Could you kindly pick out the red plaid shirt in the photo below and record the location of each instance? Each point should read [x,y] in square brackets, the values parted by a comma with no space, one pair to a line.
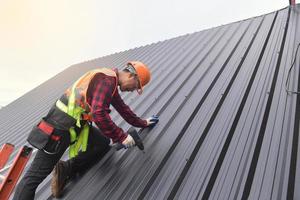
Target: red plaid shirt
[99,96]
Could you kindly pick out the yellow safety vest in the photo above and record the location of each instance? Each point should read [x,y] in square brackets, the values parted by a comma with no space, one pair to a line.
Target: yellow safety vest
[79,108]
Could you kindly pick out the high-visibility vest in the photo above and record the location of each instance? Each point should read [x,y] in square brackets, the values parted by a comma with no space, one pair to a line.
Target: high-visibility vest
[79,108]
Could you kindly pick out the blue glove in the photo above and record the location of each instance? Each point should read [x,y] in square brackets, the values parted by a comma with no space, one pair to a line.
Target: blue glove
[152,121]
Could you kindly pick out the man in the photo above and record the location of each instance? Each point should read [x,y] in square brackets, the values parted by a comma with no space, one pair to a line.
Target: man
[68,123]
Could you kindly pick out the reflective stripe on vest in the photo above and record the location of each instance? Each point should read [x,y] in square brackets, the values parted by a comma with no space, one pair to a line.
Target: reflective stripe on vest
[83,136]
[77,107]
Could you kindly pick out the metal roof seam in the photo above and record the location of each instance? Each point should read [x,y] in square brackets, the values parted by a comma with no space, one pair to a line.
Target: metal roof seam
[194,113]
[237,117]
[207,128]
[293,161]
[251,172]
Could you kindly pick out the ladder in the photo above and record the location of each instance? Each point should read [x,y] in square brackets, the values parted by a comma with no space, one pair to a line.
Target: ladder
[10,180]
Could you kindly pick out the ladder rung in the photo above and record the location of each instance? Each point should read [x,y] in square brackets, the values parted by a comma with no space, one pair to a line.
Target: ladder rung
[15,172]
[5,153]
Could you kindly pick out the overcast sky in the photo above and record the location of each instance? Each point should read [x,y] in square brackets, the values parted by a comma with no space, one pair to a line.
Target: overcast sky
[40,38]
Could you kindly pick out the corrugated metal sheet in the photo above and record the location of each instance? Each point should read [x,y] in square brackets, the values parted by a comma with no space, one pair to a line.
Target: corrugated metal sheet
[228,129]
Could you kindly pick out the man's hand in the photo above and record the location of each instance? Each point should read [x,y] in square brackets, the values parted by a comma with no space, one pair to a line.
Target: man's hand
[128,142]
[151,121]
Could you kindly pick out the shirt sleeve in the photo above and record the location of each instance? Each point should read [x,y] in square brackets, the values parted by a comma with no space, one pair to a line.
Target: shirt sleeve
[125,111]
[101,99]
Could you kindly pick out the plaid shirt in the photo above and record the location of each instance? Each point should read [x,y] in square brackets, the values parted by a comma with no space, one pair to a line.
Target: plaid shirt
[99,96]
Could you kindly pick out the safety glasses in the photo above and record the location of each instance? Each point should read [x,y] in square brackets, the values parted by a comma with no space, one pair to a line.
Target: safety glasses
[132,70]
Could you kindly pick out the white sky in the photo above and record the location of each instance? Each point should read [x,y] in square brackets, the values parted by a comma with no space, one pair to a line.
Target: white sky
[40,38]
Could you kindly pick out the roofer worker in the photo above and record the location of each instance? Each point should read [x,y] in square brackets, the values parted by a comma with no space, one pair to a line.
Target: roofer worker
[69,123]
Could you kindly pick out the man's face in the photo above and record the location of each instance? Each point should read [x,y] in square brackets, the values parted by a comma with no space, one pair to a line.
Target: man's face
[130,83]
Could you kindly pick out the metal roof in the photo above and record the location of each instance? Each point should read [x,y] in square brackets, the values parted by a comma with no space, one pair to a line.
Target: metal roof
[228,129]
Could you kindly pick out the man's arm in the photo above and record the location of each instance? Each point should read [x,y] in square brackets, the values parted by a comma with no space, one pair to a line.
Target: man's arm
[101,99]
[126,112]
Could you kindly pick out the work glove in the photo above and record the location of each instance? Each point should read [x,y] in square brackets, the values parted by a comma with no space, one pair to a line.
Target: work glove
[128,142]
[111,142]
[151,121]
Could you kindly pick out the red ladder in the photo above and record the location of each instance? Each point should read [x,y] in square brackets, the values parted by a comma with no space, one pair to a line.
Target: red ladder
[10,180]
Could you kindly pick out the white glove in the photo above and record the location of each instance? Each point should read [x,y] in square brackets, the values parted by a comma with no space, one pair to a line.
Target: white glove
[111,143]
[128,142]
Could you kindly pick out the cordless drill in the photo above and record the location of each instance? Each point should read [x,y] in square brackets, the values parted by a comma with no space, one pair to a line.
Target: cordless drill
[138,141]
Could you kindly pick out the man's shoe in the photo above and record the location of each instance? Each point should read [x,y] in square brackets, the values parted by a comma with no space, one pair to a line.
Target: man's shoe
[60,178]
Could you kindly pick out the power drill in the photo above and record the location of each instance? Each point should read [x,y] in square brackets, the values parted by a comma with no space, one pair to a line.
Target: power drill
[138,141]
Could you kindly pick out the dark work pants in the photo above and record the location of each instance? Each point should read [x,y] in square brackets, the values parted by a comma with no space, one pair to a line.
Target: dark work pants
[44,163]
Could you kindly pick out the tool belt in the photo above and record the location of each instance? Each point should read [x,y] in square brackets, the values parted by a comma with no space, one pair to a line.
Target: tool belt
[42,135]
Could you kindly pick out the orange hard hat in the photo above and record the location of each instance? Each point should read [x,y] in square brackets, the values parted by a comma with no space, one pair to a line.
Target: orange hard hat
[142,72]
